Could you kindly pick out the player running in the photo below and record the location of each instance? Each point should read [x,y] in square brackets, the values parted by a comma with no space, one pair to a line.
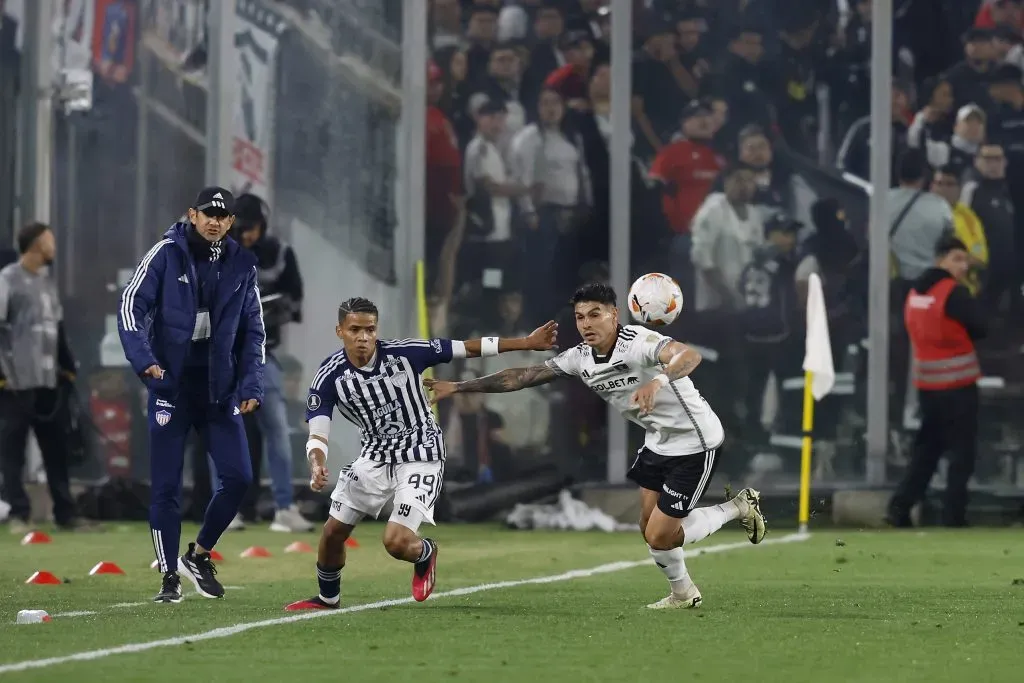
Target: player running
[377,385]
[644,375]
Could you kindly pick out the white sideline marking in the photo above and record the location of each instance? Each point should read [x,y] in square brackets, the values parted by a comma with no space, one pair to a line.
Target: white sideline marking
[122,605]
[227,631]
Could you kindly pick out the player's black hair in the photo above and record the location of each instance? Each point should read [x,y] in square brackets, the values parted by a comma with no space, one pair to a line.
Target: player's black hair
[947,244]
[29,234]
[356,304]
[596,292]
[911,166]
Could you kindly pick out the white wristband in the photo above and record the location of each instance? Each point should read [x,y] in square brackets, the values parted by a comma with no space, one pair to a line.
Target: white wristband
[315,444]
[662,379]
[488,347]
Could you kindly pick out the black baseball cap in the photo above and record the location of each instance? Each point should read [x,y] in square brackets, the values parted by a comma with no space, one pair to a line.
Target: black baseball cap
[215,202]
[695,108]
[782,222]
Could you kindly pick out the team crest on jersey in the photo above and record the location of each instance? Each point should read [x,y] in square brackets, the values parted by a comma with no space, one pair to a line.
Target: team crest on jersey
[162,417]
[313,402]
[399,378]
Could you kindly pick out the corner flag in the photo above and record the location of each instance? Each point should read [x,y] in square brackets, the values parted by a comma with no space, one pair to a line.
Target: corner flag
[819,378]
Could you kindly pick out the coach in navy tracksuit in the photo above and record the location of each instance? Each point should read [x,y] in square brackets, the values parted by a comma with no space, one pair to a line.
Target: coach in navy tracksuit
[192,328]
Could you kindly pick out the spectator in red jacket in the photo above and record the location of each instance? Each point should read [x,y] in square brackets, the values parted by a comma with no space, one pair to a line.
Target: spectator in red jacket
[444,167]
[571,80]
[686,170]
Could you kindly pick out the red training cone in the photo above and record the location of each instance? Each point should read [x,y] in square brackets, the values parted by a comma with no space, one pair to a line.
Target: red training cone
[44,579]
[34,537]
[351,542]
[299,547]
[105,568]
[256,551]
[215,556]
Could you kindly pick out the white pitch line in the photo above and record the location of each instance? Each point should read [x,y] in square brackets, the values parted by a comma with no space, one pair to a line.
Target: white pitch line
[123,605]
[228,631]
[82,613]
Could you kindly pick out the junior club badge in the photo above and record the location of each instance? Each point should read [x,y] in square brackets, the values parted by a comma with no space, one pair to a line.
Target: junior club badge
[399,378]
[163,417]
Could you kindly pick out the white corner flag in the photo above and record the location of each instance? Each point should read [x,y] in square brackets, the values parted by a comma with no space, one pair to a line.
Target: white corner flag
[818,350]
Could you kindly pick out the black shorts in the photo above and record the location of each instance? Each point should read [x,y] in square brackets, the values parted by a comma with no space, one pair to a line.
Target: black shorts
[680,479]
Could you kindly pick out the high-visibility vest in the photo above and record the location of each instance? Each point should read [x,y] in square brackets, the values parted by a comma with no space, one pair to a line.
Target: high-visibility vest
[944,355]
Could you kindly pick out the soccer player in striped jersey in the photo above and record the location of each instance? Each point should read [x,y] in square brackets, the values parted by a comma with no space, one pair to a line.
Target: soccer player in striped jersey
[644,375]
[376,385]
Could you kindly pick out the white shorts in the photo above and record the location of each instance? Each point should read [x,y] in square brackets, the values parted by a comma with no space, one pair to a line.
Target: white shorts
[364,488]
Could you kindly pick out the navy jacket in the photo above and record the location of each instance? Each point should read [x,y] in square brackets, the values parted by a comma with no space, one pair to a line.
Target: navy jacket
[158,314]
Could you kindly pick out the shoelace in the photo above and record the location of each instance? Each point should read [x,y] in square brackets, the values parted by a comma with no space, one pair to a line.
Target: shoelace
[206,565]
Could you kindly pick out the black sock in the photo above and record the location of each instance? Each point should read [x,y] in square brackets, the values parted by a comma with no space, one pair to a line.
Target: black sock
[428,550]
[329,579]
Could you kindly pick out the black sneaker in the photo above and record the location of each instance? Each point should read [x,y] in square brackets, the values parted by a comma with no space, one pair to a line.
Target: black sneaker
[198,568]
[170,590]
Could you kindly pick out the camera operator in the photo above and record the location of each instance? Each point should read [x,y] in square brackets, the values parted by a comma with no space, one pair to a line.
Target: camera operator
[36,366]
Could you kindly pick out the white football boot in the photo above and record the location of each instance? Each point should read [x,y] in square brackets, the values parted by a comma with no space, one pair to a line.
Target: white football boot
[749,502]
[691,600]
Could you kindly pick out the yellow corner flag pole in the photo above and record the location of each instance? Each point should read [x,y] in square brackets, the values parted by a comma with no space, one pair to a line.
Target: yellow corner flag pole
[422,314]
[819,378]
[805,453]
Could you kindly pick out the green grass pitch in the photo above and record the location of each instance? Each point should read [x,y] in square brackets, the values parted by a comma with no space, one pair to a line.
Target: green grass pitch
[875,606]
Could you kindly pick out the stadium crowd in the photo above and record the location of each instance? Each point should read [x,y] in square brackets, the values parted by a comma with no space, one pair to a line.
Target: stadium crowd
[729,99]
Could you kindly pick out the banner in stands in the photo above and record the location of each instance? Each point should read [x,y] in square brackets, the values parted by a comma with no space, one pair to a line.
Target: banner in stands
[255,50]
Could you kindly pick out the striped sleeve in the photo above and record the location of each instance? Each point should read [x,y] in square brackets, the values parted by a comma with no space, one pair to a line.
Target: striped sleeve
[322,397]
[137,301]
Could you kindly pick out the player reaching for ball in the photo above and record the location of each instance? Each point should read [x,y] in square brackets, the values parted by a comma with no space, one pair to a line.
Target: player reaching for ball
[644,374]
[377,386]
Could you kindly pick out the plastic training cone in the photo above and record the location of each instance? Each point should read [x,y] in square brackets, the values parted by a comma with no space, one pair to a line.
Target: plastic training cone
[256,551]
[44,579]
[34,537]
[105,568]
[351,542]
[299,547]
[215,556]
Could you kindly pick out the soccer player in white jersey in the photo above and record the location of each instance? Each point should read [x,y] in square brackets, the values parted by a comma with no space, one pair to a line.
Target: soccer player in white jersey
[377,385]
[644,375]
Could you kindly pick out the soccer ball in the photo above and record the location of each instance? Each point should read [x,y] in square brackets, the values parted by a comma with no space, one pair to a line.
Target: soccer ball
[655,299]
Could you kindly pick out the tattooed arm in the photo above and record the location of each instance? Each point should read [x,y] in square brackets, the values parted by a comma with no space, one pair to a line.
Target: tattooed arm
[679,360]
[512,379]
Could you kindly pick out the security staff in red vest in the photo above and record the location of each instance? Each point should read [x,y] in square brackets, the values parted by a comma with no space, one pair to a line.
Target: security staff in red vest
[943,321]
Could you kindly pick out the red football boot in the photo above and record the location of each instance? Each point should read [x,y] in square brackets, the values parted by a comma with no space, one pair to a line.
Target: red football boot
[423,574]
[310,603]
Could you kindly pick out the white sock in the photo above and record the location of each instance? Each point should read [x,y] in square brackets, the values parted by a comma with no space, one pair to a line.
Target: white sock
[702,522]
[673,565]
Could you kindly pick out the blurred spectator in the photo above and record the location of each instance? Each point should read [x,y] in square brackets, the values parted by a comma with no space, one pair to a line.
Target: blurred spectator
[773,180]
[770,322]
[446,24]
[515,18]
[658,96]
[966,225]
[855,154]
[545,57]
[802,51]
[482,33]
[740,79]
[933,125]
[970,77]
[444,167]
[686,171]
[1006,128]
[489,188]
[691,28]
[454,95]
[918,220]
[968,134]
[474,436]
[726,231]
[988,195]
[548,159]
[501,84]
[995,13]
[571,80]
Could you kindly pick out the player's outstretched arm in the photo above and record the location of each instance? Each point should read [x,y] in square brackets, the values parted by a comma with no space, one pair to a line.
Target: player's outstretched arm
[316,452]
[678,361]
[501,382]
[541,339]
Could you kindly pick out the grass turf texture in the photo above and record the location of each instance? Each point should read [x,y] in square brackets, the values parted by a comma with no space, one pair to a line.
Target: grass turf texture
[880,606]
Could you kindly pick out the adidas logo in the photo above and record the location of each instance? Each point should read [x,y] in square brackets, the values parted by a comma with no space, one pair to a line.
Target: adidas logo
[679,506]
[218,196]
[183,278]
